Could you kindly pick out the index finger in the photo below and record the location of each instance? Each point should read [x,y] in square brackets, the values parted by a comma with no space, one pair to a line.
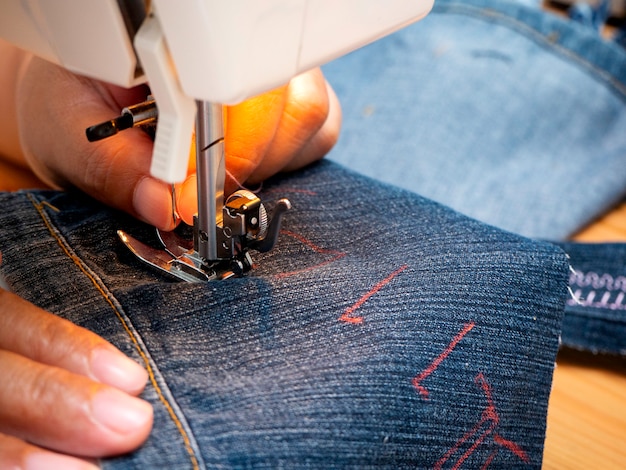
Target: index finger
[56,107]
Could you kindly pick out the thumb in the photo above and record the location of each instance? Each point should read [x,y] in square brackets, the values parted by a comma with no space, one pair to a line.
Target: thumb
[54,109]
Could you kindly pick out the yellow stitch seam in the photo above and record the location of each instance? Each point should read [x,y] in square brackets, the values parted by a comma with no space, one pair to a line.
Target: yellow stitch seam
[46,204]
[78,262]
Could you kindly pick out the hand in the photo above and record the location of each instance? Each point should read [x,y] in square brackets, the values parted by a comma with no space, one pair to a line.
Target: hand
[279,131]
[66,395]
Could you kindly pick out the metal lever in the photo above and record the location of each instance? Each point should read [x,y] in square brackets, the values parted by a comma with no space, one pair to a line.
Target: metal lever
[271,237]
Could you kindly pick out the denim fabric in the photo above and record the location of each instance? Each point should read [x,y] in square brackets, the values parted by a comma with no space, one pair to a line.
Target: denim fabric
[595,318]
[384,331]
[502,111]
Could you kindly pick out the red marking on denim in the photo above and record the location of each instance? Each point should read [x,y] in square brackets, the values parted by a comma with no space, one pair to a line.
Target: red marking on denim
[347,315]
[512,446]
[439,359]
[305,241]
[480,379]
[484,428]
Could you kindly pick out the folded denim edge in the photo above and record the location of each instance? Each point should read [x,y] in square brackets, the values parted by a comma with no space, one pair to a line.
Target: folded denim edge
[595,312]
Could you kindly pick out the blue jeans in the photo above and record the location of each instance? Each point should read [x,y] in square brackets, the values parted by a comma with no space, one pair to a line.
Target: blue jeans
[502,111]
[384,331]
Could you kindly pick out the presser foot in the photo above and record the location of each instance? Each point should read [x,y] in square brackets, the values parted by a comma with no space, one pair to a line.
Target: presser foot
[245,227]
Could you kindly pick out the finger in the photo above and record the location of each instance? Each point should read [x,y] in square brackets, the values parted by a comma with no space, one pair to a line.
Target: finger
[250,129]
[56,107]
[187,202]
[306,110]
[56,409]
[17,454]
[323,140]
[43,337]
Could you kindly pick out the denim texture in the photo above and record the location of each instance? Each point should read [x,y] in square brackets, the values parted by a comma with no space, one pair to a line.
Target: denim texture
[502,111]
[595,314]
[384,331]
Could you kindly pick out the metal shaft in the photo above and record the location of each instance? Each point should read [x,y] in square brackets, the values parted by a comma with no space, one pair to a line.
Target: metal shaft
[211,173]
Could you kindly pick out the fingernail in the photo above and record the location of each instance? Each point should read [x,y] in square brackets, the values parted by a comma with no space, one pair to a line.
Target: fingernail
[121,413]
[114,368]
[50,461]
[152,201]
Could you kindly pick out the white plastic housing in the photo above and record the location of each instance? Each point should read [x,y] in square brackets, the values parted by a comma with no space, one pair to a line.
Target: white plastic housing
[221,51]
[227,51]
[88,37]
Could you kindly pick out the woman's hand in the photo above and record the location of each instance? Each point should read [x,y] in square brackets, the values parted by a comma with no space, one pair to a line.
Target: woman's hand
[281,130]
[66,395]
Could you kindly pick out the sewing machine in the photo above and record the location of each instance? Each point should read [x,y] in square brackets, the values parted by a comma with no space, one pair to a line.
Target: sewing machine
[198,55]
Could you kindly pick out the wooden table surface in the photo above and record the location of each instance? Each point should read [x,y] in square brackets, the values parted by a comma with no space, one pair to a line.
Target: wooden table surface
[587,411]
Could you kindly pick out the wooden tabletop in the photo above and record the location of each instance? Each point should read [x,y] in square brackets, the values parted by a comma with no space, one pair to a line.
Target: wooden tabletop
[587,411]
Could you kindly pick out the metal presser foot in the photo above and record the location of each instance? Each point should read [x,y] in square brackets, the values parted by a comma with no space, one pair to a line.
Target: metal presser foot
[245,228]
[218,245]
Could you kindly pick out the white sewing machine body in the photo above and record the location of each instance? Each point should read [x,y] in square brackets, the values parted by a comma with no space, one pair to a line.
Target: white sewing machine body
[215,50]
[223,51]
